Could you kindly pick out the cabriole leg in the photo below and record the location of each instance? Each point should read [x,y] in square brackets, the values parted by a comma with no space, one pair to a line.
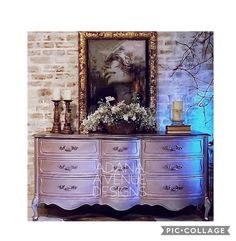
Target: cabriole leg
[35,208]
[207,207]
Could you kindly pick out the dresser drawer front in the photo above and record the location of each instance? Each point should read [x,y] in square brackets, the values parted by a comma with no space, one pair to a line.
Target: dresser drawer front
[173,167]
[120,148]
[120,186]
[121,166]
[172,147]
[69,147]
[68,167]
[154,187]
[82,187]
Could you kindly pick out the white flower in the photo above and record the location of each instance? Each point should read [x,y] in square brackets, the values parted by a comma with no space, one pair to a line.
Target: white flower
[115,109]
[125,117]
[144,118]
[109,98]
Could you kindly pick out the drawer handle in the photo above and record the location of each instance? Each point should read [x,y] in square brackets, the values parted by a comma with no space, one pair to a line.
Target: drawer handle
[173,168]
[68,149]
[120,168]
[173,188]
[120,189]
[67,188]
[67,168]
[172,148]
[120,149]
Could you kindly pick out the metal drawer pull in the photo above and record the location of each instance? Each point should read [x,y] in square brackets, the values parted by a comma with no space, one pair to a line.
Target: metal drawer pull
[173,168]
[172,148]
[67,188]
[68,149]
[67,168]
[120,149]
[120,189]
[173,188]
[120,168]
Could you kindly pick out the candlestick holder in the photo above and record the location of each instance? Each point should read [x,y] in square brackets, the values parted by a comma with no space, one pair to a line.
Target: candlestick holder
[177,113]
[56,128]
[177,109]
[67,126]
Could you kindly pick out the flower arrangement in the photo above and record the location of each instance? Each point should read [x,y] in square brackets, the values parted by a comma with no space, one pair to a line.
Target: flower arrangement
[144,119]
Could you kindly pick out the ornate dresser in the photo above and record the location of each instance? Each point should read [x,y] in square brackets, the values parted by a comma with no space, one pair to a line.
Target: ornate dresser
[121,170]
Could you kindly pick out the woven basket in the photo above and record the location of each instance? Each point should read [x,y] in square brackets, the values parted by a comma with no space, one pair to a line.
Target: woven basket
[120,128]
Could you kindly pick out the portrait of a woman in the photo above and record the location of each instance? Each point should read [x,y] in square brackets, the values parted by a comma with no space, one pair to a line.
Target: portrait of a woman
[122,73]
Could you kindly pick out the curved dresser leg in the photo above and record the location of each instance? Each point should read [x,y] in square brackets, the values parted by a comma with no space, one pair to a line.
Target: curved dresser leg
[35,208]
[207,207]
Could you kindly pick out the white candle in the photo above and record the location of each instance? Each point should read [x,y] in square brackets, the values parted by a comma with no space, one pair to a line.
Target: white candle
[67,94]
[178,105]
[177,110]
[56,94]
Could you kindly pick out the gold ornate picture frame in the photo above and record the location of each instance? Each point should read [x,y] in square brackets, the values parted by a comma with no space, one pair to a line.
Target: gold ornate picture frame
[90,43]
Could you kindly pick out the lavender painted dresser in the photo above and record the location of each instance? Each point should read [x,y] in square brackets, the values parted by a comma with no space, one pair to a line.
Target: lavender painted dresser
[121,170]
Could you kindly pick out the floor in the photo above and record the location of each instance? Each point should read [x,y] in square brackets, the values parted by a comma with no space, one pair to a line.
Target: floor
[106,213]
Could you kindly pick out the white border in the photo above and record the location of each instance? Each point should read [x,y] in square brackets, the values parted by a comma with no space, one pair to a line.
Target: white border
[21,16]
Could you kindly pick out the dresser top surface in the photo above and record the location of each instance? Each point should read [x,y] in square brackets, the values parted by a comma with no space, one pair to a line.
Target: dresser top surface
[109,136]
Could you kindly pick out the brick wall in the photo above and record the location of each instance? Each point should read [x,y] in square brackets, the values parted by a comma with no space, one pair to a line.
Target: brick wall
[53,62]
[194,84]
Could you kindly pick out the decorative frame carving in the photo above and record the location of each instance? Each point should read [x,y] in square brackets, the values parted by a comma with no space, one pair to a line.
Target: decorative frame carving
[151,39]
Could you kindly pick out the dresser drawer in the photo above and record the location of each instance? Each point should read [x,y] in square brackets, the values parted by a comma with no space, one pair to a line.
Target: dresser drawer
[68,167]
[156,187]
[182,167]
[69,147]
[82,187]
[120,148]
[120,186]
[172,147]
[120,166]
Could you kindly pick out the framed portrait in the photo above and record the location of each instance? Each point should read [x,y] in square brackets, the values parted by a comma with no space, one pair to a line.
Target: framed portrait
[118,64]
